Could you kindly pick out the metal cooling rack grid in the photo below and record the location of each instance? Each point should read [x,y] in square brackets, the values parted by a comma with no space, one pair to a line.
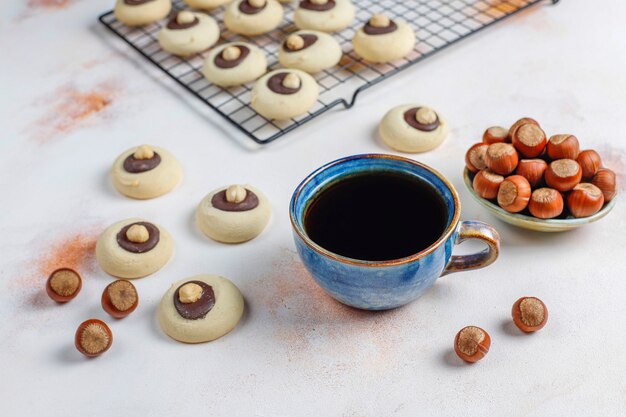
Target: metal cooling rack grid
[437,24]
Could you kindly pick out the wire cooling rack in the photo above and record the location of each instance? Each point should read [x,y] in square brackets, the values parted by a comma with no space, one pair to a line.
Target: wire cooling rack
[437,24]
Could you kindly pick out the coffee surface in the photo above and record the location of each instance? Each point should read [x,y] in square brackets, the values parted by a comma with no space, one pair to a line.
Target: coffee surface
[376,216]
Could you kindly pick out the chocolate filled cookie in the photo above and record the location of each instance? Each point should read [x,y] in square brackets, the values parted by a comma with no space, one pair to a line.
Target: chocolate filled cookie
[284,93]
[133,248]
[233,64]
[310,51]
[383,40]
[324,15]
[200,309]
[412,128]
[253,17]
[233,214]
[187,33]
[145,172]
[141,12]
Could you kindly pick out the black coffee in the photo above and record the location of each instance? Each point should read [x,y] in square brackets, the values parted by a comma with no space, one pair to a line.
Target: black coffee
[376,216]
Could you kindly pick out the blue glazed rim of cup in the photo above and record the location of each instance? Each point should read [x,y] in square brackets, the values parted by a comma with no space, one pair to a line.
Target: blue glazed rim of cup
[299,228]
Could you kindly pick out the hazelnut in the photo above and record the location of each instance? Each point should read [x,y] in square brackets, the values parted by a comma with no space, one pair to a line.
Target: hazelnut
[529,314]
[144,152]
[472,343]
[185,17]
[501,158]
[563,174]
[63,285]
[379,21]
[533,170]
[495,134]
[257,3]
[520,122]
[120,298]
[486,184]
[295,42]
[137,233]
[529,140]
[514,194]
[189,293]
[545,203]
[93,338]
[291,80]
[605,181]
[231,53]
[475,157]
[563,147]
[585,200]
[320,2]
[236,194]
[425,116]
[590,162]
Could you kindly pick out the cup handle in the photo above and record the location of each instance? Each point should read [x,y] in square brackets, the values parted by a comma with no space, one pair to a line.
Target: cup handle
[475,230]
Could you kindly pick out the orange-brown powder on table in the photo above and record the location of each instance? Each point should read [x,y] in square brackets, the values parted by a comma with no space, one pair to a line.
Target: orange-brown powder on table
[49,3]
[74,250]
[306,316]
[69,108]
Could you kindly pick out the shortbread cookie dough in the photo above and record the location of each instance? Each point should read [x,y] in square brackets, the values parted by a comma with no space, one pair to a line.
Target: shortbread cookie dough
[233,64]
[310,51]
[187,33]
[145,172]
[411,128]
[382,40]
[200,309]
[324,15]
[253,17]
[205,4]
[141,12]
[233,214]
[284,93]
[133,248]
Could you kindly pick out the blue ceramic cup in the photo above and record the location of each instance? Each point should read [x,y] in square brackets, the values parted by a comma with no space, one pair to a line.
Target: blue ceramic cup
[382,285]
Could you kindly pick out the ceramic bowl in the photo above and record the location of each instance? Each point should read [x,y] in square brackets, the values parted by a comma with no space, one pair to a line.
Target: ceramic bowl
[533,223]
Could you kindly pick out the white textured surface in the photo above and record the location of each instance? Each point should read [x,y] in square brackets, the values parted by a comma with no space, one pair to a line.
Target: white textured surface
[297,352]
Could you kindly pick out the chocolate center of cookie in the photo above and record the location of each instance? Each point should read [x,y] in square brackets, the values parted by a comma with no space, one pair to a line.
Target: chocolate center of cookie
[308,5]
[136,166]
[139,247]
[409,117]
[199,308]
[222,62]
[246,8]
[220,202]
[308,41]
[376,30]
[175,24]
[275,83]
[136,2]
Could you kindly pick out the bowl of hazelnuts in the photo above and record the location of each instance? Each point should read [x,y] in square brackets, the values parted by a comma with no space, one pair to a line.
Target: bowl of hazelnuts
[531,181]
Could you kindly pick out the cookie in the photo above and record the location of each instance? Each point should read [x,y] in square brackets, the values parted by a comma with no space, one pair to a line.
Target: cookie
[284,93]
[145,172]
[133,248]
[233,214]
[187,33]
[233,64]
[324,15]
[309,51]
[253,17]
[141,12]
[383,40]
[200,309]
[205,4]
[411,128]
